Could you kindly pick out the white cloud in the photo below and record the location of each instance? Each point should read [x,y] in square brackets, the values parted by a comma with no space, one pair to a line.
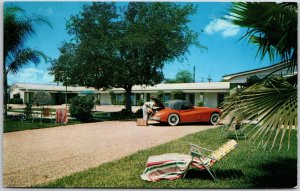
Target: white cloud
[31,75]
[49,11]
[224,27]
[45,11]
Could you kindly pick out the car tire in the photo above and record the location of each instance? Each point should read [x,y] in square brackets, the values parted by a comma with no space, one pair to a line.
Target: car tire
[214,119]
[173,119]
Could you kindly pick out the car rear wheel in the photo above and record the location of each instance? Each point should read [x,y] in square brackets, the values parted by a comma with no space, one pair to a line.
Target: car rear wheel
[173,119]
[214,119]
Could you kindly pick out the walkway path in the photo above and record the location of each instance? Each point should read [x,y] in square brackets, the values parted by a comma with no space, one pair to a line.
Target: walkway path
[37,156]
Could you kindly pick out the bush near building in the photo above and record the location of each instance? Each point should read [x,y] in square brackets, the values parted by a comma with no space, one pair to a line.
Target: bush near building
[178,94]
[15,101]
[81,108]
[200,104]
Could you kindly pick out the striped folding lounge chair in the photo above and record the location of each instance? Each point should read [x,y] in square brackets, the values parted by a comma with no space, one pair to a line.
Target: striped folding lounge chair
[174,165]
[167,166]
[203,158]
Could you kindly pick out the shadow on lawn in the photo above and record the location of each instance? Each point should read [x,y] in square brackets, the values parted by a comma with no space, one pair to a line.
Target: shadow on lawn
[281,173]
[181,124]
[220,173]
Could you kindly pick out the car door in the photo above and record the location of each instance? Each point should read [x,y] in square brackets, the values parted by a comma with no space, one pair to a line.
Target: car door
[203,114]
[188,113]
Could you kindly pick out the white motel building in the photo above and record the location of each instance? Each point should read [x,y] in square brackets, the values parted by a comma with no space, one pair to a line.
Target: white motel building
[210,94]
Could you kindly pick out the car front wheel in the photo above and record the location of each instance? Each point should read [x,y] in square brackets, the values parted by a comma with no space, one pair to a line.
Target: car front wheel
[214,119]
[173,119]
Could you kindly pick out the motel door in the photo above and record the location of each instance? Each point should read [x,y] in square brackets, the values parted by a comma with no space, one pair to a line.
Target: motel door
[221,97]
[191,98]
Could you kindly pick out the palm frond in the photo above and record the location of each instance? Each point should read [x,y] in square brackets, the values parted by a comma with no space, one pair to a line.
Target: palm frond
[272,26]
[267,109]
[23,57]
[18,28]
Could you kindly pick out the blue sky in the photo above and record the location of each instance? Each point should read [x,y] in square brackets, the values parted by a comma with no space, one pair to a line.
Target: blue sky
[225,53]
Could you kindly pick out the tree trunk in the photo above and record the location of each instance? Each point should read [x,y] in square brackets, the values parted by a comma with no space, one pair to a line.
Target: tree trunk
[128,99]
[5,97]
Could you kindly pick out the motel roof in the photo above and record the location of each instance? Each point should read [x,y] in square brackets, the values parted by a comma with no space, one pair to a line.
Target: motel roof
[46,87]
[254,71]
[189,87]
[185,86]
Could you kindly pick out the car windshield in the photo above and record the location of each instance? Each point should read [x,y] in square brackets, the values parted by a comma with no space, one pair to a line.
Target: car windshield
[174,104]
[166,104]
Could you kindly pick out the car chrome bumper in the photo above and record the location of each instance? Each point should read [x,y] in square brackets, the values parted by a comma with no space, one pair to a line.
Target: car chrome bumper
[155,118]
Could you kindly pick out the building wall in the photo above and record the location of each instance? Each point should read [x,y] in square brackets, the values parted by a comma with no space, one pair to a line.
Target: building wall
[105,99]
[210,99]
[147,96]
[133,99]
[26,98]
[15,91]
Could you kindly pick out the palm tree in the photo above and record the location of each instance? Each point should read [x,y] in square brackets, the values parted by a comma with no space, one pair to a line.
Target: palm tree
[17,30]
[272,103]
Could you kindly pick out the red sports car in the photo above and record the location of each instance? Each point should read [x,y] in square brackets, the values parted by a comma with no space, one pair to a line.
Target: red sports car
[181,111]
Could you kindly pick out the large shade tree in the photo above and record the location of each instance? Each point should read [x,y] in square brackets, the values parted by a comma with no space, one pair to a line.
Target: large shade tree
[17,29]
[272,103]
[183,76]
[120,47]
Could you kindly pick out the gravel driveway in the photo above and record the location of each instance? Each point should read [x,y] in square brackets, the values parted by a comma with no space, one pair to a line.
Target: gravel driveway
[37,156]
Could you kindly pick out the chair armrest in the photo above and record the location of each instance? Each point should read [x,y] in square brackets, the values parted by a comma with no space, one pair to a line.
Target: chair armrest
[199,155]
[197,151]
[193,146]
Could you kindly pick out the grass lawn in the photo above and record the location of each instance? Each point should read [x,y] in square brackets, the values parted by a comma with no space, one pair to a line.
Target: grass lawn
[21,110]
[245,167]
[11,126]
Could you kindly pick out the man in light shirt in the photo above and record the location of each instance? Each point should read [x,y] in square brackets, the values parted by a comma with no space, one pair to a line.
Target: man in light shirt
[147,109]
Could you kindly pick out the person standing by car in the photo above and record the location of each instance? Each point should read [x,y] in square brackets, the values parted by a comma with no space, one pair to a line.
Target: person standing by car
[147,109]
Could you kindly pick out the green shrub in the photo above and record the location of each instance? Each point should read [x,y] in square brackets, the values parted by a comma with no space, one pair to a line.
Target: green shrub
[81,108]
[28,111]
[140,102]
[139,113]
[126,113]
[200,104]
[16,101]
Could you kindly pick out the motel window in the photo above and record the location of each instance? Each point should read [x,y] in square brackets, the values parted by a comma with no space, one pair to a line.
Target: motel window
[148,96]
[119,97]
[132,97]
[166,97]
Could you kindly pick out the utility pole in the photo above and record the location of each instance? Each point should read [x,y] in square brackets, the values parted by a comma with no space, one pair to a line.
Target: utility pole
[209,78]
[66,96]
[66,93]
[194,74]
